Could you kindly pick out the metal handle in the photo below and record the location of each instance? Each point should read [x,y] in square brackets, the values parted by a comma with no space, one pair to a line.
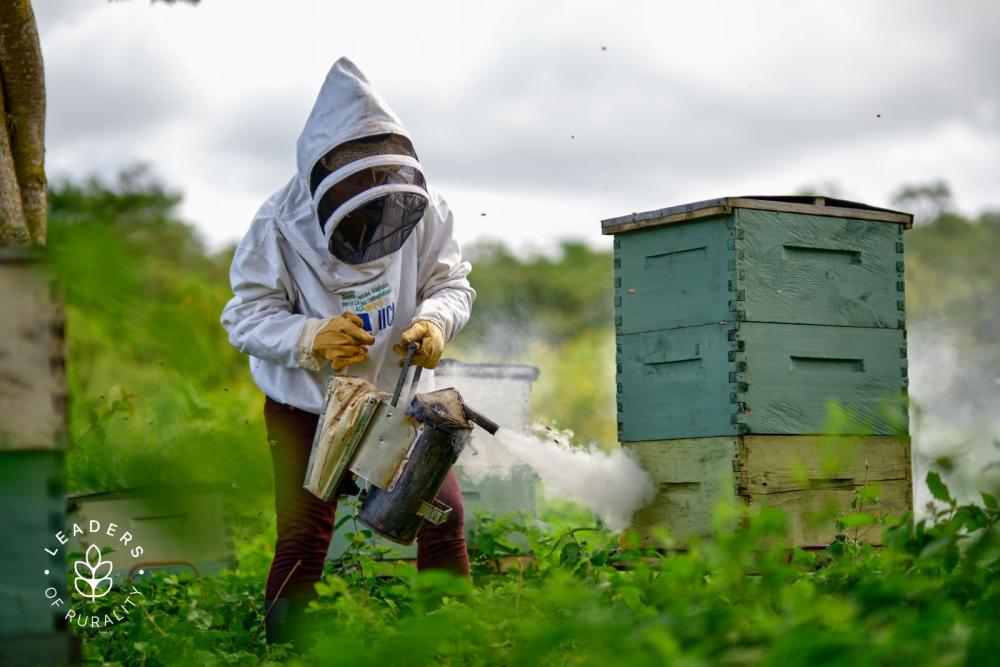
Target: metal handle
[435,512]
[410,349]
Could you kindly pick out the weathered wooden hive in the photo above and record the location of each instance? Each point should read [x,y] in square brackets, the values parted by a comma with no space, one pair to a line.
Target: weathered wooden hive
[739,322]
[32,453]
[182,527]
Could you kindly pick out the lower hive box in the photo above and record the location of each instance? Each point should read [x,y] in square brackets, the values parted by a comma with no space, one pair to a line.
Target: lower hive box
[811,478]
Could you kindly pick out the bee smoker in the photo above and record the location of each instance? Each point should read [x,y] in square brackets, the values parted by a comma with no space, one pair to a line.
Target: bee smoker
[403,453]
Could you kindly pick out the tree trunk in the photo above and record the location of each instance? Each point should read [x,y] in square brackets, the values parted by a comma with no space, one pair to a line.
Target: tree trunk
[23,91]
[13,230]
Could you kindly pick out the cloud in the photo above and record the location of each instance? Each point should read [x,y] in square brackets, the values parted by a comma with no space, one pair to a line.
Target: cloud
[252,138]
[563,116]
[52,15]
[110,100]
[547,117]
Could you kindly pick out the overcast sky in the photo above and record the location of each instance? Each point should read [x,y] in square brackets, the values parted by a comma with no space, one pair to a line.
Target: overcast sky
[547,117]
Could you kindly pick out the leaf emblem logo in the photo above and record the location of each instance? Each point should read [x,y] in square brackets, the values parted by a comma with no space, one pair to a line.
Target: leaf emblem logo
[93,574]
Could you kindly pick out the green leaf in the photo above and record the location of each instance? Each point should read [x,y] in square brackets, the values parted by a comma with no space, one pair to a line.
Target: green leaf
[570,554]
[938,488]
[600,557]
[857,519]
[972,517]
[989,500]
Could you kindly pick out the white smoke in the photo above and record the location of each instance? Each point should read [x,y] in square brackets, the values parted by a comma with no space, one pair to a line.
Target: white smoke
[955,411]
[612,485]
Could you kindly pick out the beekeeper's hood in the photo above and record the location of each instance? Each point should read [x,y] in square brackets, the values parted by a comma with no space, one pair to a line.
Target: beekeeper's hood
[364,192]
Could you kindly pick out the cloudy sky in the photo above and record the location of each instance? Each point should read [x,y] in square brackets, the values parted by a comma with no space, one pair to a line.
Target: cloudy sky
[545,117]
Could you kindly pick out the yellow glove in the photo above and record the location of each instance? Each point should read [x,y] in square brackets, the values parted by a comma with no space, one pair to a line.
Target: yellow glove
[343,341]
[431,340]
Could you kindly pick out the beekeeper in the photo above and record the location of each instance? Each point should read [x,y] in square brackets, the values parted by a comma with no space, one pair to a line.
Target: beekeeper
[349,262]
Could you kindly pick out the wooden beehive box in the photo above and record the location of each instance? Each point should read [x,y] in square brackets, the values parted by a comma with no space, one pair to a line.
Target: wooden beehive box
[739,322]
[32,444]
[32,363]
[749,315]
[733,378]
[181,527]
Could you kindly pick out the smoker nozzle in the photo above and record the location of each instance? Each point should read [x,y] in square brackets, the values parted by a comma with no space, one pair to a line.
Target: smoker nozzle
[475,417]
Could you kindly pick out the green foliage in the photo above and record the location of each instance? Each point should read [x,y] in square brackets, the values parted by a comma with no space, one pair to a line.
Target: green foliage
[158,393]
[587,597]
[537,296]
[952,272]
[926,201]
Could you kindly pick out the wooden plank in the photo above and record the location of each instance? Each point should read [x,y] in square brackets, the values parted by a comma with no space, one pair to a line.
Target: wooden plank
[675,384]
[32,367]
[671,277]
[689,475]
[898,218]
[790,373]
[802,269]
[813,479]
[653,219]
[790,473]
[830,208]
[812,513]
[768,464]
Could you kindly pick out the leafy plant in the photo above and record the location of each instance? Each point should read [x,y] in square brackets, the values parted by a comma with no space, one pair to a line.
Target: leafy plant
[143,296]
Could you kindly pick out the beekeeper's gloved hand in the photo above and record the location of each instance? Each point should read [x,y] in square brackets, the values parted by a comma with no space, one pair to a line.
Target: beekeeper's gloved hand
[430,338]
[342,340]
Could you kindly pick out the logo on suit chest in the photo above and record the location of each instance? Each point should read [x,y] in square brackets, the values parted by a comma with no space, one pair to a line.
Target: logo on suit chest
[376,306]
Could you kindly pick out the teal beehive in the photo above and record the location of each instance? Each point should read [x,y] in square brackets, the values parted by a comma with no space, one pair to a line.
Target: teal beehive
[750,315]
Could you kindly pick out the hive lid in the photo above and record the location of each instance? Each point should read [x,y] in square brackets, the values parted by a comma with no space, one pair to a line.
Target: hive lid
[808,205]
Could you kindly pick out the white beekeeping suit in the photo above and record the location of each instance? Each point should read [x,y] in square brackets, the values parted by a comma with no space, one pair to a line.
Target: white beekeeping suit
[296,267]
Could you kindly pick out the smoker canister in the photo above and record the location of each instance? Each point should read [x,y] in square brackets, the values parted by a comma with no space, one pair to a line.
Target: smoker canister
[443,432]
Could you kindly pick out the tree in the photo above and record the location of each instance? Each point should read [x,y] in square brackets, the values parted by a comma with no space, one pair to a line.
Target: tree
[927,201]
[22,134]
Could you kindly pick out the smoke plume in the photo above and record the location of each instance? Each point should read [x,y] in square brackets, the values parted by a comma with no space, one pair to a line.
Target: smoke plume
[612,485]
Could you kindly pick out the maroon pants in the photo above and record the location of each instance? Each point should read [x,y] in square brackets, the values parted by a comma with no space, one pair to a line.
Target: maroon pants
[305,523]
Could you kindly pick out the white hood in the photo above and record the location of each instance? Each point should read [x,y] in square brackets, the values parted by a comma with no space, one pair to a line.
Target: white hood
[347,108]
